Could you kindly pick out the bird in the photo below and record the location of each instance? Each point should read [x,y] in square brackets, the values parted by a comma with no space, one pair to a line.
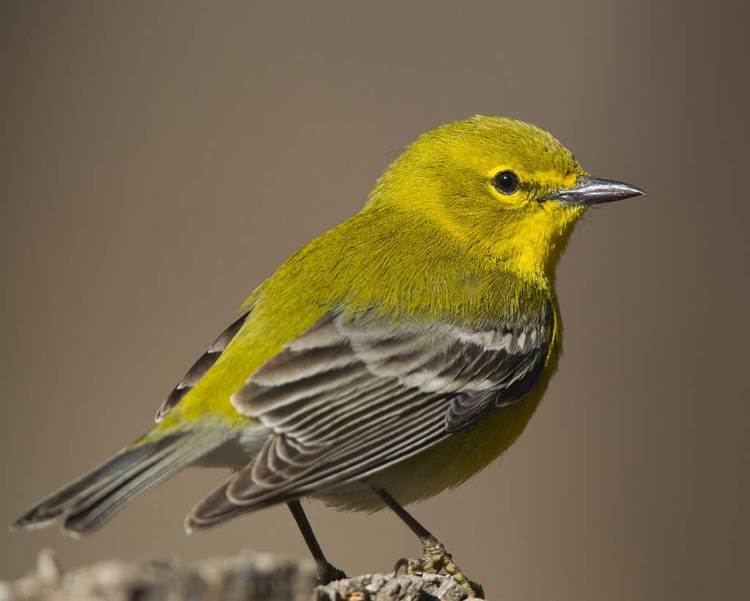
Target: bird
[389,359]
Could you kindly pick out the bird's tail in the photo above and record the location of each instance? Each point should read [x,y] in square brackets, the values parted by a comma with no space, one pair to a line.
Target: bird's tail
[89,502]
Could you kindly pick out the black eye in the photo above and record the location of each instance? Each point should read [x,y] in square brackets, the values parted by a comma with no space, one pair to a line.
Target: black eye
[506,182]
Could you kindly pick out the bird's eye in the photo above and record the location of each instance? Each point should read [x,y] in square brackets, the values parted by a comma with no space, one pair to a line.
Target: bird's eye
[506,182]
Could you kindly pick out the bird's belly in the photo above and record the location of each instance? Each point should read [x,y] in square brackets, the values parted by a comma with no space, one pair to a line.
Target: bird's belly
[444,466]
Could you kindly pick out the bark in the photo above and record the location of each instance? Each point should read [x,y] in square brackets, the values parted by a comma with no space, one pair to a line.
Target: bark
[246,577]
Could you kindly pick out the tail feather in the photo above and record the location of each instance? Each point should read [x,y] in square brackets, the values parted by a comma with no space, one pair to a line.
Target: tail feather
[89,502]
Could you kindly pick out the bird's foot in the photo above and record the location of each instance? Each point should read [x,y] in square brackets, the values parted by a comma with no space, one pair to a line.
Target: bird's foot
[435,557]
[328,572]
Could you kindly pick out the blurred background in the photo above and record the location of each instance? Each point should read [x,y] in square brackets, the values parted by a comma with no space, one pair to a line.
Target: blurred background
[158,160]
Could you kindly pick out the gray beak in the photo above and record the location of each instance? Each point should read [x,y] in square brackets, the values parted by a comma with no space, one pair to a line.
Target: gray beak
[592,191]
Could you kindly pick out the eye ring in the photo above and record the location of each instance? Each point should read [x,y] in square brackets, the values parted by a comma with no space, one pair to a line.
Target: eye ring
[506,182]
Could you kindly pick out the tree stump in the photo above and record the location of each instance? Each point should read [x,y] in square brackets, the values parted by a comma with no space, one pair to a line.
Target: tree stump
[245,577]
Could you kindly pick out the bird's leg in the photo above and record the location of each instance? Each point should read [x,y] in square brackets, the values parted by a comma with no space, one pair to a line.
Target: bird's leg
[435,556]
[327,572]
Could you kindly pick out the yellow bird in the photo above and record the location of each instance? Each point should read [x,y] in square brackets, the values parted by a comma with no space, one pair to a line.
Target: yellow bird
[392,357]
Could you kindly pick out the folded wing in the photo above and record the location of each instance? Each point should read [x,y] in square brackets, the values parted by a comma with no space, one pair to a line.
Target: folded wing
[351,397]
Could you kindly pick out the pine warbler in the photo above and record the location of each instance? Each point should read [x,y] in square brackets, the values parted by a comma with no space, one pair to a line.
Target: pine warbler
[392,357]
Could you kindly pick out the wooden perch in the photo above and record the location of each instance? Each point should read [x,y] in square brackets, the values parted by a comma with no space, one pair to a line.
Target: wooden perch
[246,577]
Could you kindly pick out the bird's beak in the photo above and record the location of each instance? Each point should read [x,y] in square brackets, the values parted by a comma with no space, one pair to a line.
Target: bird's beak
[591,191]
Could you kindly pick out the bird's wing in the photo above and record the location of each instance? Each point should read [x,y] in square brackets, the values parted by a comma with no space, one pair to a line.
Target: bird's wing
[349,398]
[201,366]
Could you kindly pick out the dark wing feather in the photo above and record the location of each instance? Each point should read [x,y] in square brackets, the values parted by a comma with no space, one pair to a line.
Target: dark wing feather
[349,398]
[201,366]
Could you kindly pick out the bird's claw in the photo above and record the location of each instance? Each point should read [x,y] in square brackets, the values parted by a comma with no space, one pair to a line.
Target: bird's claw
[410,567]
[435,558]
[327,573]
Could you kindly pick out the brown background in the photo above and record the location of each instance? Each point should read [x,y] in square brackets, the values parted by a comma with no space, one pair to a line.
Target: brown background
[160,159]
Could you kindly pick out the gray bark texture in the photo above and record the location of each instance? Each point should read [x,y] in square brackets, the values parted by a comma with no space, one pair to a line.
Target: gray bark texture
[245,577]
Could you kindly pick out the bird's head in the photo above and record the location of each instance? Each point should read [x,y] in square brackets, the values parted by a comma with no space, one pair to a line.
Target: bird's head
[501,187]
